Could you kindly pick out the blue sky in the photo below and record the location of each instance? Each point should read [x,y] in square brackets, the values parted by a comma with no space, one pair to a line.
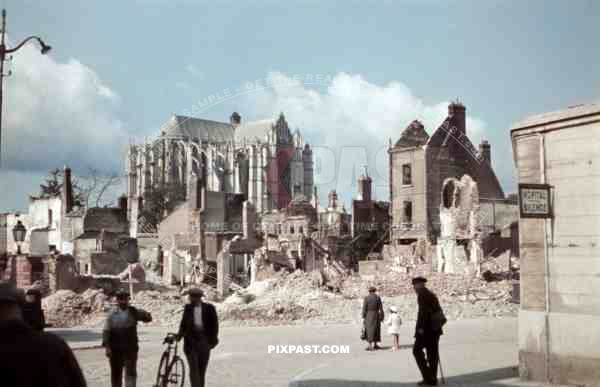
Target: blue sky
[118,69]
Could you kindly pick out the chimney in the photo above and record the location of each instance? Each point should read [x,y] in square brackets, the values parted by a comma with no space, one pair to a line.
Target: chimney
[67,191]
[235,120]
[485,150]
[122,203]
[457,111]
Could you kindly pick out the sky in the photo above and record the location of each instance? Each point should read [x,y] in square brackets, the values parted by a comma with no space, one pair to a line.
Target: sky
[350,75]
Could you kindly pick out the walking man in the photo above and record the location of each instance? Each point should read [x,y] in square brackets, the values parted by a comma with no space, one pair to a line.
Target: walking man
[372,314]
[120,339]
[199,328]
[29,358]
[430,320]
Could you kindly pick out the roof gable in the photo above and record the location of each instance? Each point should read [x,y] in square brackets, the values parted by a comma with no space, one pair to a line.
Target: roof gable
[413,135]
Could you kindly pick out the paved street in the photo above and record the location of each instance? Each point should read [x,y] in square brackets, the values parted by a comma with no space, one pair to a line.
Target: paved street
[473,352]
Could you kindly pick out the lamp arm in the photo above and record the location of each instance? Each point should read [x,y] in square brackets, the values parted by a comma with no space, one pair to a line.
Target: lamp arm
[11,50]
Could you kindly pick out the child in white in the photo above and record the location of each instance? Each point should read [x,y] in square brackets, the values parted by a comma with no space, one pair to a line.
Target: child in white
[394,321]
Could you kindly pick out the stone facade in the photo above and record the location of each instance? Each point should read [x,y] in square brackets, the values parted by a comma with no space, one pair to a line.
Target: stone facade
[334,220]
[419,164]
[225,157]
[370,220]
[104,246]
[196,231]
[560,271]
[459,245]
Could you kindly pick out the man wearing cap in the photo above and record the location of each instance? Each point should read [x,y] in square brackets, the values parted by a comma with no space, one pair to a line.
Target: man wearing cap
[120,340]
[428,332]
[372,314]
[199,328]
[29,358]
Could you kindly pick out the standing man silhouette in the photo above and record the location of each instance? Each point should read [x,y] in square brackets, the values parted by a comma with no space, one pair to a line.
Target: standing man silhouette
[430,320]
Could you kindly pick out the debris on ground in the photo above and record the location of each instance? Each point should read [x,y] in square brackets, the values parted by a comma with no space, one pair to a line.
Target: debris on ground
[299,297]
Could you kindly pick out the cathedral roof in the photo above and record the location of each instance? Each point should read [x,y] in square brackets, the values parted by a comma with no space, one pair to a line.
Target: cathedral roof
[206,130]
[413,135]
[253,131]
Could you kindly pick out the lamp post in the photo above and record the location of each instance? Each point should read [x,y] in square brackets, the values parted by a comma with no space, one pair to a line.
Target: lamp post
[3,52]
[19,232]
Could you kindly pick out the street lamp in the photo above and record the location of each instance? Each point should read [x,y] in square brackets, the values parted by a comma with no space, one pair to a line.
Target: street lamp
[3,52]
[19,232]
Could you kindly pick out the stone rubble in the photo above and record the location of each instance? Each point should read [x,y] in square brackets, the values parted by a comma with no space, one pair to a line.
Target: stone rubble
[298,297]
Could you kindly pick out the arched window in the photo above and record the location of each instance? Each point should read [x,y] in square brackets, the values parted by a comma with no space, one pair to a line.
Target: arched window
[448,195]
[291,229]
[301,230]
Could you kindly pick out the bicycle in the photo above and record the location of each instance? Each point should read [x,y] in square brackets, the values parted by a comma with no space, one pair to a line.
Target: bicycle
[171,369]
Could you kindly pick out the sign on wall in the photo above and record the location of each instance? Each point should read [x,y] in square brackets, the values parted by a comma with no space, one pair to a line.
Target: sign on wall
[534,201]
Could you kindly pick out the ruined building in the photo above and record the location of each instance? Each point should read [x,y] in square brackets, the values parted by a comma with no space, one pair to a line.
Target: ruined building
[419,166]
[370,220]
[225,157]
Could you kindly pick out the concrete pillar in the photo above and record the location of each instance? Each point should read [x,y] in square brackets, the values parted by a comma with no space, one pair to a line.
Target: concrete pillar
[210,168]
[236,177]
[223,275]
[253,268]
[252,174]
[263,192]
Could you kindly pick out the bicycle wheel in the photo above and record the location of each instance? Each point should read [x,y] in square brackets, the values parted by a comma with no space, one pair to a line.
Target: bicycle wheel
[176,373]
[161,375]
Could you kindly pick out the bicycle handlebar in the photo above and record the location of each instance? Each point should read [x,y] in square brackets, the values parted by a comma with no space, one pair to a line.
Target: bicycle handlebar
[170,338]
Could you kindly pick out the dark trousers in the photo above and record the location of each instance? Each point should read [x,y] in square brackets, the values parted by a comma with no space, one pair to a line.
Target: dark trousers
[428,366]
[197,358]
[120,360]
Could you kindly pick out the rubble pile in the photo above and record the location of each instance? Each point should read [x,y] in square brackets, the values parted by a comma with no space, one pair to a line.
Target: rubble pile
[299,298]
[66,308]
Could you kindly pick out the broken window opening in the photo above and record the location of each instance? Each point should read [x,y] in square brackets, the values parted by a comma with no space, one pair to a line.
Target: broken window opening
[406,174]
[448,196]
[408,212]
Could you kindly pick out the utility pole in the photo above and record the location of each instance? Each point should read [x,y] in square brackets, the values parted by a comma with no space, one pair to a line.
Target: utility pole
[2,49]
[3,52]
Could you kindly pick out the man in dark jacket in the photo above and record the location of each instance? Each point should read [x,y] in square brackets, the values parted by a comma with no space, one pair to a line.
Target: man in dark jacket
[199,328]
[29,358]
[33,314]
[120,339]
[428,332]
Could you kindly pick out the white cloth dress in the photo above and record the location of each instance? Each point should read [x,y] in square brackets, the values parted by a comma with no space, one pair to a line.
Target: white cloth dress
[393,323]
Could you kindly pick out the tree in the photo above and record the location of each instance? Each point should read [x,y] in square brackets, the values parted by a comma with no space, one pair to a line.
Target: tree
[161,201]
[53,184]
[87,190]
[95,186]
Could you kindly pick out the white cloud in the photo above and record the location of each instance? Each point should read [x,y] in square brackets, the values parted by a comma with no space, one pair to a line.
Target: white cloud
[58,113]
[351,118]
